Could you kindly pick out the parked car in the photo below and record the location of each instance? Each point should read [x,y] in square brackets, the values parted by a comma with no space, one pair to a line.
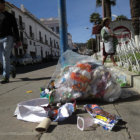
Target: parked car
[34,59]
[26,59]
[37,59]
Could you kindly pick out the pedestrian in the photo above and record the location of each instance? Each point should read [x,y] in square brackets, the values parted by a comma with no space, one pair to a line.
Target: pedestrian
[109,41]
[8,34]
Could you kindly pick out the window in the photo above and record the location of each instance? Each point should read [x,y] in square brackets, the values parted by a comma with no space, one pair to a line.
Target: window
[52,28]
[40,38]
[13,13]
[50,42]
[30,30]
[20,20]
[57,30]
[46,41]
[54,44]
[21,36]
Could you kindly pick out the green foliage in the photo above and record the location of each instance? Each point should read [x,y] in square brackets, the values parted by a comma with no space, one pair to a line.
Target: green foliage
[95,18]
[121,17]
[132,56]
[91,44]
[99,2]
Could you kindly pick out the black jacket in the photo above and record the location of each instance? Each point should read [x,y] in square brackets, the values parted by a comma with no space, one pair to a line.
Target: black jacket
[8,25]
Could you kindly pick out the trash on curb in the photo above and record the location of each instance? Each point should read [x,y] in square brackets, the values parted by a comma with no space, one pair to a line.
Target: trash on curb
[44,125]
[121,79]
[81,79]
[86,123]
[37,110]
[32,110]
[29,91]
[101,117]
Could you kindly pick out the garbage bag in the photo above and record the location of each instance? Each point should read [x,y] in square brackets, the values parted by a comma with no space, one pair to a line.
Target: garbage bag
[79,77]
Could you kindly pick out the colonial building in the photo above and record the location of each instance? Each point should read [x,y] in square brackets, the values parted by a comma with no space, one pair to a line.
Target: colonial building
[36,38]
[53,24]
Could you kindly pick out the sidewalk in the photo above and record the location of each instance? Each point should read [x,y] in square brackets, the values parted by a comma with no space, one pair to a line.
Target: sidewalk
[15,92]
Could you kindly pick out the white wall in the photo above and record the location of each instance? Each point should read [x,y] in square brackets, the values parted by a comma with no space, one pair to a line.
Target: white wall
[37,26]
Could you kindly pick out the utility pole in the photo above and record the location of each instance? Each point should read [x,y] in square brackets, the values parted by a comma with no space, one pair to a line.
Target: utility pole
[62,26]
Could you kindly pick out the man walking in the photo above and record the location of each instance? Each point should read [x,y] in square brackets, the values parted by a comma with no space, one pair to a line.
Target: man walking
[8,34]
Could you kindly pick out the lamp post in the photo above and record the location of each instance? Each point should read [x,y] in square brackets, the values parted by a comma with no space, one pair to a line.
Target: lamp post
[62,26]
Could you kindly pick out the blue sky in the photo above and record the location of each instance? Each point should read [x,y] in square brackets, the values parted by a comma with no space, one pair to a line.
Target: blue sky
[78,13]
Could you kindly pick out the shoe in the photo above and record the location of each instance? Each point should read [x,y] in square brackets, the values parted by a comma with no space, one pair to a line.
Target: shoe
[5,80]
[13,73]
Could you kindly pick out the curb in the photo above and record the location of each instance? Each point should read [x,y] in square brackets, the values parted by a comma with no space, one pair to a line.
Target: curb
[132,78]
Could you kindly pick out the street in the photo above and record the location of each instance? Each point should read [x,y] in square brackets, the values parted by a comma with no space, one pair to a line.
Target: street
[36,76]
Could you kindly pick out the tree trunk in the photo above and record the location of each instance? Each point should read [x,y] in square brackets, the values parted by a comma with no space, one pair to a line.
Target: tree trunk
[107,8]
[135,15]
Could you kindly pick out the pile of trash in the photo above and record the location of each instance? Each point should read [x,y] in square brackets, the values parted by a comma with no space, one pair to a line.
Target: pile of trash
[79,77]
[39,110]
[76,77]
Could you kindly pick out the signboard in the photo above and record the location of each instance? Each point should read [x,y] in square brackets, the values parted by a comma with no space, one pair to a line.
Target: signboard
[123,34]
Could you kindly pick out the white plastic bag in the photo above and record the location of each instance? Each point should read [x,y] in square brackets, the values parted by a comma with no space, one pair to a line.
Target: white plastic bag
[31,110]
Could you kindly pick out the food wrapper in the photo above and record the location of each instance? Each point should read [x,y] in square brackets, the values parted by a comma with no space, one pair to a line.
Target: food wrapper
[101,117]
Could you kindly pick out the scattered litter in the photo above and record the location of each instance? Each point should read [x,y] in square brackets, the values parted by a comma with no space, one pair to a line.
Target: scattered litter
[37,110]
[65,111]
[101,117]
[44,125]
[29,91]
[32,110]
[77,77]
[122,80]
[85,123]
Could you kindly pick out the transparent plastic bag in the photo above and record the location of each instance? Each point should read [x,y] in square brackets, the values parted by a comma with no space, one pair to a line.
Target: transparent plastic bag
[85,123]
[79,77]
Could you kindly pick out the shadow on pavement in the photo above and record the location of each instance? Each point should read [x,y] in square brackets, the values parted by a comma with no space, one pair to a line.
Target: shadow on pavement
[128,95]
[35,79]
[70,120]
[51,128]
[29,68]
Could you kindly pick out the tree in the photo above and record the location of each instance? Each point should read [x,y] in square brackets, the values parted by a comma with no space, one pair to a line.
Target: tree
[91,44]
[95,18]
[108,4]
[121,17]
[135,14]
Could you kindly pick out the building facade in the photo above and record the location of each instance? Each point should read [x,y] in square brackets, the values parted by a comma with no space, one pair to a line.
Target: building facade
[53,24]
[37,39]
